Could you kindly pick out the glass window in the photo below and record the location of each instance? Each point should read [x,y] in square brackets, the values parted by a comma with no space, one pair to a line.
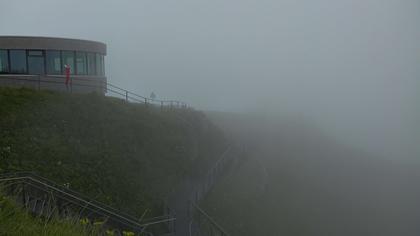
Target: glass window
[91,64]
[37,53]
[53,62]
[4,61]
[17,61]
[67,58]
[81,63]
[36,62]
[100,65]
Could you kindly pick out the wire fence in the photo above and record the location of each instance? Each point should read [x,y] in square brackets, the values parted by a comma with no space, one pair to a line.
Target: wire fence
[81,84]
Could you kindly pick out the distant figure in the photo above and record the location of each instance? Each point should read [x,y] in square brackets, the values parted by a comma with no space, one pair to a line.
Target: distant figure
[152,95]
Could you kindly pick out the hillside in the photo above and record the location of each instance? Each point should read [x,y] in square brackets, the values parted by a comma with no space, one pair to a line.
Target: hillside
[11,213]
[127,155]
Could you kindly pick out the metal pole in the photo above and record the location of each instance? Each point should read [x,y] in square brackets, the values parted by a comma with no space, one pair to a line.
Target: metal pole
[126,96]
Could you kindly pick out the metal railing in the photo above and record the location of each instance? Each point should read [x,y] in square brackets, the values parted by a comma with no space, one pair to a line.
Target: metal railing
[46,198]
[75,84]
[206,224]
[201,223]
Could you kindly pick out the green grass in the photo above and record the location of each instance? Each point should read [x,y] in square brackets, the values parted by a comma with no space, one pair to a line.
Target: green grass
[15,221]
[126,155]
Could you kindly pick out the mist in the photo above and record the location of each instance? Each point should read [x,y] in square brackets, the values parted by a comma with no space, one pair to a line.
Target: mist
[310,86]
[351,66]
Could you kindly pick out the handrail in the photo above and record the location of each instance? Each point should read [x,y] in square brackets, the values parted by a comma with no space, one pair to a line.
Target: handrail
[114,218]
[25,174]
[103,85]
[212,174]
[75,197]
[212,221]
[148,99]
[70,195]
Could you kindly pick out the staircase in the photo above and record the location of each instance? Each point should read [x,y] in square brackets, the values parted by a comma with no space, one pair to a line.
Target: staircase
[46,199]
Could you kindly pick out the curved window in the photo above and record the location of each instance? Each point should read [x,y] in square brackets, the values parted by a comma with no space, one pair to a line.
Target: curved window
[91,64]
[67,57]
[53,62]
[100,65]
[81,66]
[18,61]
[4,61]
[36,62]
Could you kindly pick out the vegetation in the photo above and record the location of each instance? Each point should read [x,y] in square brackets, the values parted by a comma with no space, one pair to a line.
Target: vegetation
[27,225]
[127,155]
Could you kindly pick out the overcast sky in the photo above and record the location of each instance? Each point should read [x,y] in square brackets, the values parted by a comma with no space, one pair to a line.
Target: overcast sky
[352,66]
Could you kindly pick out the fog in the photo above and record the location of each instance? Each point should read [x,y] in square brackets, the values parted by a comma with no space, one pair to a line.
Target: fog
[350,67]
[324,94]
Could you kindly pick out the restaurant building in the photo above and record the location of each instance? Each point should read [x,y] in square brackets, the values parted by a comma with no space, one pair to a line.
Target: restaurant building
[40,63]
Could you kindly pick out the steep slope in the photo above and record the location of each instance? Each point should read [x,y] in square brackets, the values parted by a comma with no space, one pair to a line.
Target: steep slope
[127,155]
[16,222]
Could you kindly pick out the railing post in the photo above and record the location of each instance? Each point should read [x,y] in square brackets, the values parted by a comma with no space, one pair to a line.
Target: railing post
[23,194]
[71,85]
[39,82]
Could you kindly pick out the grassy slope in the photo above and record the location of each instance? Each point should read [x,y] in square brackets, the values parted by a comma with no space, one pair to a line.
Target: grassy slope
[27,225]
[122,154]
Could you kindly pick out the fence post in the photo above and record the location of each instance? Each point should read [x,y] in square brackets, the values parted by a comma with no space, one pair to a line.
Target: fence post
[145,101]
[23,194]
[126,96]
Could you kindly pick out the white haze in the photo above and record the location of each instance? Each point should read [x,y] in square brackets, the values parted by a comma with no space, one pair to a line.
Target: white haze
[353,67]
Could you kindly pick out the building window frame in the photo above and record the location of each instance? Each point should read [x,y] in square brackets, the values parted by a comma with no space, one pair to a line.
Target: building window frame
[73,68]
[100,64]
[84,56]
[42,55]
[88,57]
[26,61]
[7,71]
[47,68]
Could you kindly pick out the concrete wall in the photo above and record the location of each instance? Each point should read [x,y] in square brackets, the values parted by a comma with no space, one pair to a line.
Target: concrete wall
[47,43]
[78,84]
